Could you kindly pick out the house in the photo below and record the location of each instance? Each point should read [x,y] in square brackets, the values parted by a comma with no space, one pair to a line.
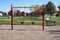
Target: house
[1,14]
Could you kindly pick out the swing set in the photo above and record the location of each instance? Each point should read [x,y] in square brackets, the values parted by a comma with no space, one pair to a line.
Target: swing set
[25,7]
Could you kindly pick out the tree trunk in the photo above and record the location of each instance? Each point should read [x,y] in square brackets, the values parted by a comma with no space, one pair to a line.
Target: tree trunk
[50,17]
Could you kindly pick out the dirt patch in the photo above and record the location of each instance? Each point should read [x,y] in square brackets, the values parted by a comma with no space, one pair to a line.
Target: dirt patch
[28,32]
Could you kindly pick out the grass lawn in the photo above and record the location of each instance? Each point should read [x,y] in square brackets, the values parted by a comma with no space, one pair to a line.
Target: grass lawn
[17,20]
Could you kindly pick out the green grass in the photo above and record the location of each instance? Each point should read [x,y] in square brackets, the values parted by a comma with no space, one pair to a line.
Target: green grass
[5,20]
[17,20]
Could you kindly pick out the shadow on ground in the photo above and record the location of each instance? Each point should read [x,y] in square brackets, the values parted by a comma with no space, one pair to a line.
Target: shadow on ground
[54,32]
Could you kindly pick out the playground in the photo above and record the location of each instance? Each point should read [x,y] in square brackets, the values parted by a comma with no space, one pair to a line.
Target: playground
[29,32]
[30,22]
[37,20]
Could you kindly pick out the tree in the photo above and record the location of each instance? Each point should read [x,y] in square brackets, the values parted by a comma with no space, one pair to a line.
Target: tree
[9,13]
[4,14]
[36,11]
[23,13]
[50,8]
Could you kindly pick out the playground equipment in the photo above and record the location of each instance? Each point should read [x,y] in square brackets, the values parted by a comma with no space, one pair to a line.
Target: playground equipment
[26,7]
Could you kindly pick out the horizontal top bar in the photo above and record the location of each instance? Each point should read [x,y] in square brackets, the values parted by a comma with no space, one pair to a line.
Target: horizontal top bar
[23,7]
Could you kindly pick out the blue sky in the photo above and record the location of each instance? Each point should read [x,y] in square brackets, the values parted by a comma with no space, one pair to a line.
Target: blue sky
[5,4]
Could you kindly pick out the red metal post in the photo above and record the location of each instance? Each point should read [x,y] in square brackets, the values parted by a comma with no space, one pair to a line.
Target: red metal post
[11,18]
[43,18]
